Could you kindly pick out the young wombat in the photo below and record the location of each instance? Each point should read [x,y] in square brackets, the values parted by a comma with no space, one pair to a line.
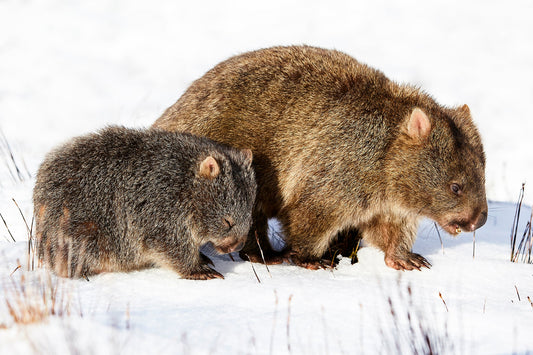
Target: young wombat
[124,199]
[337,145]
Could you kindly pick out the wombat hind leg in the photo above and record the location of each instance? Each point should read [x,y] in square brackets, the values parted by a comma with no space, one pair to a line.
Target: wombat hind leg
[406,261]
[206,260]
[311,263]
[304,257]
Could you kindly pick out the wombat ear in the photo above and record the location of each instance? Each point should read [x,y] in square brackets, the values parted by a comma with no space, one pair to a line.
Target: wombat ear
[464,109]
[248,157]
[419,125]
[209,168]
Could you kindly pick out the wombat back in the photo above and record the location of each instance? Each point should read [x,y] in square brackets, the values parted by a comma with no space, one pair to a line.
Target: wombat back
[124,199]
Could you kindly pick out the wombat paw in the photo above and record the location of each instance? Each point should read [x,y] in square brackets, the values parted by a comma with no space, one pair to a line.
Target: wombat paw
[204,273]
[407,261]
[312,264]
[206,260]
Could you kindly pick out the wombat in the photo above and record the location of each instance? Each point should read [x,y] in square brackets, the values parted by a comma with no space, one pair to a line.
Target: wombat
[337,145]
[125,199]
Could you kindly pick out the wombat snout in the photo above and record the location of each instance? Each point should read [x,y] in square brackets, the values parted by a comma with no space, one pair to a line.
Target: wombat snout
[481,219]
[475,222]
[233,235]
[230,246]
[238,247]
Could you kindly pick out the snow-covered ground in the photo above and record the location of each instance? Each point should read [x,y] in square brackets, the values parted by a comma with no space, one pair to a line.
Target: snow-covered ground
[71,67]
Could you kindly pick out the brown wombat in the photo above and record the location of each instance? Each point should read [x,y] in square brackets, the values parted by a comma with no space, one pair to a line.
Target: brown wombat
[338,145]
[124,199]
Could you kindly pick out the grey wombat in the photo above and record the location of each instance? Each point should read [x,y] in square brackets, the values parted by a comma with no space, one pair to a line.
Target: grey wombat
[124,199]
[338,145]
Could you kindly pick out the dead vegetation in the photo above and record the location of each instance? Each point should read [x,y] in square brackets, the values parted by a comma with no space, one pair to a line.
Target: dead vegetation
[31,293]
[414,331]
[15,164]
[521,241]
[32,298]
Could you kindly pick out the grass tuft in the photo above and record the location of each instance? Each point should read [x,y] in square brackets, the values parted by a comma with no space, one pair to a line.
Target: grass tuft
[289,325]
[253,269]
[521,247]
[440,238]
[412,331]
[443,301]
[8,230]
[32,245]
[474,245]
[16,167]
[262,254]
[33,298]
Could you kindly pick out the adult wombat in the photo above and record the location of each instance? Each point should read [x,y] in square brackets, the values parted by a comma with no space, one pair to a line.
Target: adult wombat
[338,145]
[124,199]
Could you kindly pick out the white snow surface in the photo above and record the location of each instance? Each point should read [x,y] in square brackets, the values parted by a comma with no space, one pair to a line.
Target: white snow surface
[71,67]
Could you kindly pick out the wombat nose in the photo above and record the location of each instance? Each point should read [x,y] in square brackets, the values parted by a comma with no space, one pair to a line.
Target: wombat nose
[238,247]
[479,221]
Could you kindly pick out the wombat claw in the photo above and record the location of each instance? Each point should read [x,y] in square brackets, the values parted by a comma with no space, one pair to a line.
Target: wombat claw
[206,260]
[311,264]
[206,273]
[408,261]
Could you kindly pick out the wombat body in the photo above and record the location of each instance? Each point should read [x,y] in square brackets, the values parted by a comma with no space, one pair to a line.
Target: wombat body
[124,199]
[337,145]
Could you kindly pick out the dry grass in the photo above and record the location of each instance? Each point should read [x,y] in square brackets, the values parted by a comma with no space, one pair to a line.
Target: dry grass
[521,247]
[8,230]
[15,166]
[413,331]
[33,297]
[30,293]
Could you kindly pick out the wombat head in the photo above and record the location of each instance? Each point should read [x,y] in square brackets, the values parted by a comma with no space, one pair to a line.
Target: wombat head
[438,168]
[225,189]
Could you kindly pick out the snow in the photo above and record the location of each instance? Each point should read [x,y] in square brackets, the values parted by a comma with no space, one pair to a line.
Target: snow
[71,67]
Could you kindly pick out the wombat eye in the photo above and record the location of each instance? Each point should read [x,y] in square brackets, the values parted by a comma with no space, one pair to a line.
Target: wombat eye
[456,189]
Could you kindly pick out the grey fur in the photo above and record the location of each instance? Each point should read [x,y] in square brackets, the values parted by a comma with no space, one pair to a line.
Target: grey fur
[124,199]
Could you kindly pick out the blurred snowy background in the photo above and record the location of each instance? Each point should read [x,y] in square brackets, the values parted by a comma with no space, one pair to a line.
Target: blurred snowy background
[71,67]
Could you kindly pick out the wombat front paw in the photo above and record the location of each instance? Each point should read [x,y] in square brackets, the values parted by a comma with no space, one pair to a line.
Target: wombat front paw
[407,261]
[203,273]
[312,264]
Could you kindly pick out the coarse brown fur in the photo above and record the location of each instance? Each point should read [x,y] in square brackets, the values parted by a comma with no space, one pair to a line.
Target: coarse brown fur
[124,199]
[338,145]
